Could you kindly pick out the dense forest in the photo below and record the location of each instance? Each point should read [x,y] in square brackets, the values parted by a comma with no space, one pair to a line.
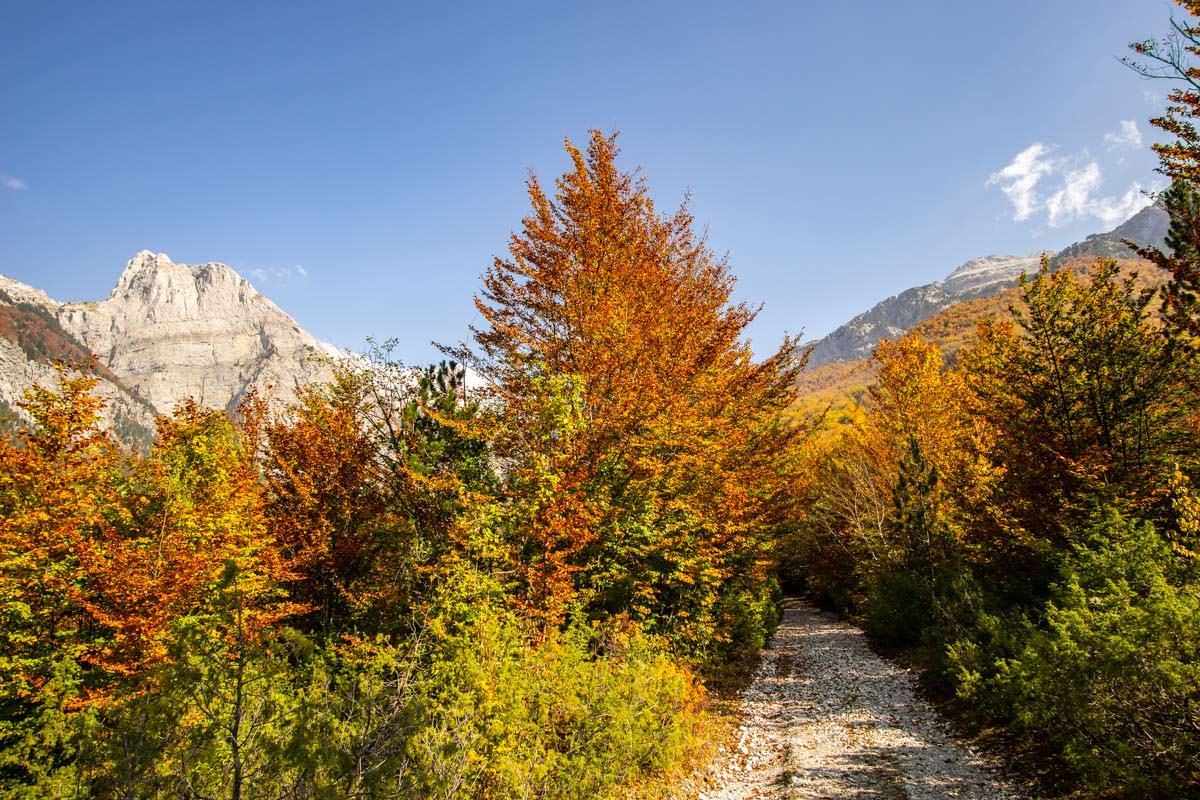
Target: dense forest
[402,587]
[1024,520]
[399,588]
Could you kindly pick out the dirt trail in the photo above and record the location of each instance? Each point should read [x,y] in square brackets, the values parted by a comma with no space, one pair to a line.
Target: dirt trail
[827,718]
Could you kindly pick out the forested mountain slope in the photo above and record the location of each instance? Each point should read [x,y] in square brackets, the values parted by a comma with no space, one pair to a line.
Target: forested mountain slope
[978,279]
[836,385]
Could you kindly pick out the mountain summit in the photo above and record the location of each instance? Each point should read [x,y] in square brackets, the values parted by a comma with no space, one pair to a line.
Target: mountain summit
[978,278]
[890,318]
[170,331]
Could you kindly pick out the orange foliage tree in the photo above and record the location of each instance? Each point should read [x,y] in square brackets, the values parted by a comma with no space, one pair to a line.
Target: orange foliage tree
[917,399]
[918,406]
[324,506]
[100,554]
[60,500]
[1172,58]
[644,444]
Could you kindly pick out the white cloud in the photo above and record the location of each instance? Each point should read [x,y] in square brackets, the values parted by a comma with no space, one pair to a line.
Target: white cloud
[1074,198]
[1067,188]
[1112,212]
[278,274]
[9,182]
[1020,178]
[1127,136]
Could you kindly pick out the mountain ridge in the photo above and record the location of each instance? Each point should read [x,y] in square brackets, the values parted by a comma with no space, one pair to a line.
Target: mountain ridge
[976,279]
[165,332]
[832,391]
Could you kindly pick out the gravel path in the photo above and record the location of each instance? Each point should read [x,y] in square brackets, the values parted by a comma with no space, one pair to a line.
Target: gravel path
[827,718]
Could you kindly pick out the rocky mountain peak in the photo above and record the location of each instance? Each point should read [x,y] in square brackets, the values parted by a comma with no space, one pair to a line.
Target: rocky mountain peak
[989,270]
[1147,227]
[172,331]
[165,333]
[140,270]
[154,279]
[148,258]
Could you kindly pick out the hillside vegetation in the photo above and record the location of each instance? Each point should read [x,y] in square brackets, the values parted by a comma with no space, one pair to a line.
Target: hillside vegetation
[1023,522]
[832,394]
[395,588]
[1012,500]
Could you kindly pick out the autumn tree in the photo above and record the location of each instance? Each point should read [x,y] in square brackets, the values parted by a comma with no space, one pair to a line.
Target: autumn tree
[641,438]
[101,555]
[1084,392]
[192,508]
[59,498]
[915,402]
[324,505]
[1174,58]
[892,497]
[435,447]
[916,398]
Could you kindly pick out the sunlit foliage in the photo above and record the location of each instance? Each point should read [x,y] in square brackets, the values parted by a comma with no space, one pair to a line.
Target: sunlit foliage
[649,455]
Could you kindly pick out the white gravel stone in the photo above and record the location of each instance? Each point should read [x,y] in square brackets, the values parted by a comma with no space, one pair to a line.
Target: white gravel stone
[825,717]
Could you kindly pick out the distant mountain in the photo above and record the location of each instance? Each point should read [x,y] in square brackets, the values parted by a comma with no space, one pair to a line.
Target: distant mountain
[166,332]
[834,389]
[1148,227]
[894,316]
[977,279]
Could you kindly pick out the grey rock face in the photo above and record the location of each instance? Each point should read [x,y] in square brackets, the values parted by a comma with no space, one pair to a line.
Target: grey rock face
[172,331]
[1148,227]
[894,316]
[31,340]
[980,277]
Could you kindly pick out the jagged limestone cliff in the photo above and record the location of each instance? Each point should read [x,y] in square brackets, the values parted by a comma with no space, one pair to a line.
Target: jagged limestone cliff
[172,331]
[166,332]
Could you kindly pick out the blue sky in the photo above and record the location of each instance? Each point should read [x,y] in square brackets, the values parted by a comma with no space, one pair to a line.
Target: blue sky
[363,162]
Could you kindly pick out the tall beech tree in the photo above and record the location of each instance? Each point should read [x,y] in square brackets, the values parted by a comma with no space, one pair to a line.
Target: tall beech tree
[645,445]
